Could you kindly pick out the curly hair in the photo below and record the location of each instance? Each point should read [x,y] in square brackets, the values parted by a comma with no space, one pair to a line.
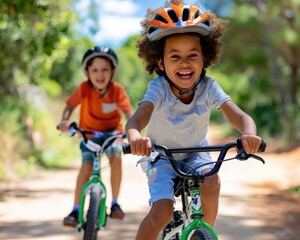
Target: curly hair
[152,52]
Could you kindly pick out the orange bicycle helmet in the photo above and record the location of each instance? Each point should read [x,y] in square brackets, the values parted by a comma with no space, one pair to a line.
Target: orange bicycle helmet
[178,19]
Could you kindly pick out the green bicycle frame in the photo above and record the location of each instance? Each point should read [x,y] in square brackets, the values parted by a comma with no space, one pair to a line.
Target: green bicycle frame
[196,216]
[94,179]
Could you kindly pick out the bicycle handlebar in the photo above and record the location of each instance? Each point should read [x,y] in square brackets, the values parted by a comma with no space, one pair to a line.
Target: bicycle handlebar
[74,127]
[108,139]
[223,149]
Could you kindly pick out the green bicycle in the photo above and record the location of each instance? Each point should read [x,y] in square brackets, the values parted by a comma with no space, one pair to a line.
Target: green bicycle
[92,216]
[187,223]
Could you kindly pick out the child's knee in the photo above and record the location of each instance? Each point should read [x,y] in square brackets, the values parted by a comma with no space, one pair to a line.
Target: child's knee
[162,212]
[211,183]
[115,159]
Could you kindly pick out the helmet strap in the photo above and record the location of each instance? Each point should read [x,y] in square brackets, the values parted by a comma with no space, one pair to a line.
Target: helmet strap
[101,91]
[184,93]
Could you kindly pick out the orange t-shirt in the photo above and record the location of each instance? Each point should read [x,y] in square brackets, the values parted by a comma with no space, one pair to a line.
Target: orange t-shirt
[100,113]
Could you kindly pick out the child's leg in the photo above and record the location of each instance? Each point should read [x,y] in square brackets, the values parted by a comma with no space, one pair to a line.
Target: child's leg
[115,174]
[84,174]
[159,216]
[85,171]
[160,181]
[115,179]
[210,191]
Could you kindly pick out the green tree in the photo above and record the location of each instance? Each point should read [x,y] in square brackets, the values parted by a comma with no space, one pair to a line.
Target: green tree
[132,73]
[262,44]
[29,33]
[67,71]
[33,34]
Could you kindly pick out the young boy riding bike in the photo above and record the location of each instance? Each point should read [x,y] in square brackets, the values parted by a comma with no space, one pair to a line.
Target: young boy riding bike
[179,42]
[102,103]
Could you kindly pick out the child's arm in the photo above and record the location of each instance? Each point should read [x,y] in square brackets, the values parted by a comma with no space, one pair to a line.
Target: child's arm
[128,115]
[139,145]
[64,124]
[244,124]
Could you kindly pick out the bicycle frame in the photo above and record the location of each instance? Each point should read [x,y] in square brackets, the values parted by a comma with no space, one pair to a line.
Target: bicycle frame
[95,213]
[94,179]
[192,213]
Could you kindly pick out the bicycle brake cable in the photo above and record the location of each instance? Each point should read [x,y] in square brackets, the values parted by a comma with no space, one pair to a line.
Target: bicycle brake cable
[195,169]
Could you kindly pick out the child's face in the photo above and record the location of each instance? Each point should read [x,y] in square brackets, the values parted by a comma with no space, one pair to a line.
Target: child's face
[183,60]
[100,72]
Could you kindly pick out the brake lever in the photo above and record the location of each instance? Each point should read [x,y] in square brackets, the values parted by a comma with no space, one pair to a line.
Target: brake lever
[242,155]
[257,158]
[154,156]
[71,132]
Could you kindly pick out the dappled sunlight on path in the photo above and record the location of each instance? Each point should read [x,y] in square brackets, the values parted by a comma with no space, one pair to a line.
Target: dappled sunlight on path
[254,203]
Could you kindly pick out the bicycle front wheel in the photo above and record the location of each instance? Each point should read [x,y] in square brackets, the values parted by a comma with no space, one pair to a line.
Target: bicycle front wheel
[202,234]
[91,225]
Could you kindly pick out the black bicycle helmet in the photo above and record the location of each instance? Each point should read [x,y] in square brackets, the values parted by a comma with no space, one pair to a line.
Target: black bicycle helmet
[99,52]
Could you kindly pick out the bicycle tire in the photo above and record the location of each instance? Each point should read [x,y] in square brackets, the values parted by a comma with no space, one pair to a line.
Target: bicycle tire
[91,225]
[202,234]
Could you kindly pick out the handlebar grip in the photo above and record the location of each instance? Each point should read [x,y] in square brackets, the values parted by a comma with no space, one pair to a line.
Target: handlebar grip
[73,125]
[261,148]
[126,148]
[123,135]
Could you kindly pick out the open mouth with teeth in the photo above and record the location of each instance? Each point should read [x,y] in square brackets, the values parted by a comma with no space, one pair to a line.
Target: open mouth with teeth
[184,75]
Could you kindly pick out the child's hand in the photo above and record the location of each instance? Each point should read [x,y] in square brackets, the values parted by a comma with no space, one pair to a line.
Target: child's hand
[63,126]
[141,146]
[251,143]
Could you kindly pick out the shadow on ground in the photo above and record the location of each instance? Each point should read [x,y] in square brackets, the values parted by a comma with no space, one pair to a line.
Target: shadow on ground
[273,216]
[269,207]
[37,230]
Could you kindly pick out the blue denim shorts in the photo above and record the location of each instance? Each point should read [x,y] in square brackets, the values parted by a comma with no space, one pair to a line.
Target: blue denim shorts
[115,148]
[160,175]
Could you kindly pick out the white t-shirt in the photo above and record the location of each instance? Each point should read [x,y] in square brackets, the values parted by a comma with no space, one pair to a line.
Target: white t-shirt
[176,124]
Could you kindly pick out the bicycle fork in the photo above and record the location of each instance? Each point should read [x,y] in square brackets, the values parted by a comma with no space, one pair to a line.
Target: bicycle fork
[196,215]
[102,202]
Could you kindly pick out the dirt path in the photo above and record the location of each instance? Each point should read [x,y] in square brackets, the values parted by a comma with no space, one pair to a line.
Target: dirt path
[253,203]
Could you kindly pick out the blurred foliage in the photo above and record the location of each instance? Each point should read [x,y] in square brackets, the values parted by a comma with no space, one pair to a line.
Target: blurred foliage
[262,48]
[131,72]
[296,189]
[30,32]
[40,66]
[33,34]
[66,71]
